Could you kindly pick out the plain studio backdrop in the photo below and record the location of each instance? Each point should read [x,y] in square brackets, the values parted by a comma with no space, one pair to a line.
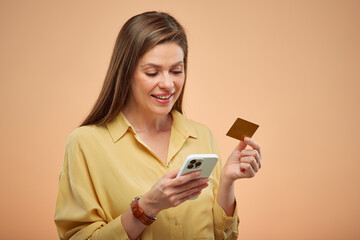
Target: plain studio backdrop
[293,67]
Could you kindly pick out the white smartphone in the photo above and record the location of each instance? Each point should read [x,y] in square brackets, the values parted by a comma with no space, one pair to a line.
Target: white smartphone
[195,162]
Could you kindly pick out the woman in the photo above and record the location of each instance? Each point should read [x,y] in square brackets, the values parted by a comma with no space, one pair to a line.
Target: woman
[133,144]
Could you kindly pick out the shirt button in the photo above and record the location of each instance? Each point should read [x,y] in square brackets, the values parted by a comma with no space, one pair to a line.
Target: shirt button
[168,165]
[176,222]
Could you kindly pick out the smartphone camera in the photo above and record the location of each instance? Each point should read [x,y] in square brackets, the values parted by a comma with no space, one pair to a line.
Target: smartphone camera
[194,163]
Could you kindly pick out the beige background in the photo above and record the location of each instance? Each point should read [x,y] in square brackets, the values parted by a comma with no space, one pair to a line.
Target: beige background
[291,66]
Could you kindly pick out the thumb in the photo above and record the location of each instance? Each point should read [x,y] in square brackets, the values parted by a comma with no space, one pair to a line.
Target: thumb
[173,174]
[241,146]
[235,155]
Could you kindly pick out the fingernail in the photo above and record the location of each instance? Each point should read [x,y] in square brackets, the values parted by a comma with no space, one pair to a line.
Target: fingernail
[198,173]
[246,139]
[205,180]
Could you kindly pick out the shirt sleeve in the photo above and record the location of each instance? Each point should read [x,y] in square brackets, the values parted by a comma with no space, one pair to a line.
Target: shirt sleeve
[225,227]
[78,214]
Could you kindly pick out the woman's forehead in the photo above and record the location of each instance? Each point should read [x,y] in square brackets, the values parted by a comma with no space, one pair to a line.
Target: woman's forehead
[163,55]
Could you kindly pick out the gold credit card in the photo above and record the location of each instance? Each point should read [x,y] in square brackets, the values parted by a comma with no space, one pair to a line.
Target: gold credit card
[242,128]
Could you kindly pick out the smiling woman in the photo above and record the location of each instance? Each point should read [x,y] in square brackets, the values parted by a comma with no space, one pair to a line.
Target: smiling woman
[119,177]
[139,35]
[157,82]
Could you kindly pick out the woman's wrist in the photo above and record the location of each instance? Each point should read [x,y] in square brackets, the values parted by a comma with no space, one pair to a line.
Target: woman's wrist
[148,208]
[226,183]
[226,197]
[225,177]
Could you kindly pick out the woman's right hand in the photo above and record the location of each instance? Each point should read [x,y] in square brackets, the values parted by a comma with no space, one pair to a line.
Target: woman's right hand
[171,191]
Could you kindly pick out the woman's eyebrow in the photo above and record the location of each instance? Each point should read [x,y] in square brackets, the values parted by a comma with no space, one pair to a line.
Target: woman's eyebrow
[158,66]
[178,63]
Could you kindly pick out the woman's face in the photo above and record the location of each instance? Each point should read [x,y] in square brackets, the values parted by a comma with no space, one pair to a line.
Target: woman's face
[157,80]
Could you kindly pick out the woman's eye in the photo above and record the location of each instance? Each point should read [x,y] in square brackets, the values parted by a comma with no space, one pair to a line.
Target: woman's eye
[177,72]
[152,74]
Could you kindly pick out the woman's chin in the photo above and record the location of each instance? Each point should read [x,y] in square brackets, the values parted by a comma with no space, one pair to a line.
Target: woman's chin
[162,111]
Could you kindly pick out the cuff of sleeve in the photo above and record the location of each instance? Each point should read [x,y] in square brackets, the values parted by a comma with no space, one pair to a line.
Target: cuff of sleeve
[101,230]
[229,224]
[112,230]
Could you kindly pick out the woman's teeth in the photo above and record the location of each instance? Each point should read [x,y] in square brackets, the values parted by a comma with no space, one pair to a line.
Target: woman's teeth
[162,97]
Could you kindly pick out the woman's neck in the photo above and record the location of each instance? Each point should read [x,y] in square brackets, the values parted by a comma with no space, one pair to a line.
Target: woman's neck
[143,122]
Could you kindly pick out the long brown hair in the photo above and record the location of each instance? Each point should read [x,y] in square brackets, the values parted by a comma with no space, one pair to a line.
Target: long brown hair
[138,35]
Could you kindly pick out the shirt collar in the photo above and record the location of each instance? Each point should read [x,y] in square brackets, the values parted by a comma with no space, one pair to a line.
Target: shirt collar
[183,125]
[120,125]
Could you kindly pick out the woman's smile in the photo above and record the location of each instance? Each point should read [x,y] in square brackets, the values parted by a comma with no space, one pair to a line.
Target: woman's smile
[163,98]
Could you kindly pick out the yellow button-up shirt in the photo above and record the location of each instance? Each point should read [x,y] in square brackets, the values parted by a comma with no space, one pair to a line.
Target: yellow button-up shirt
[105,167]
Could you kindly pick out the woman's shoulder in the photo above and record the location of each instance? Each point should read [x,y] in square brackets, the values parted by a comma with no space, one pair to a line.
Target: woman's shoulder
[193,125]
[197,125]
[85,134]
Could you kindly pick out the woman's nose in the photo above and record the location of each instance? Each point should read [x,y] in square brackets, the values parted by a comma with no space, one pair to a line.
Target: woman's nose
[166,81]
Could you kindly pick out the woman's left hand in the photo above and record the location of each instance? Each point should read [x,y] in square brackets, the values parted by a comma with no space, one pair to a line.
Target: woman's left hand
[243,163]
